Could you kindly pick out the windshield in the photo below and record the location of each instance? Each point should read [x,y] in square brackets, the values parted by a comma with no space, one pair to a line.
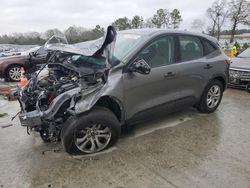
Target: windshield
[89,51]
[245,53]
[125,43]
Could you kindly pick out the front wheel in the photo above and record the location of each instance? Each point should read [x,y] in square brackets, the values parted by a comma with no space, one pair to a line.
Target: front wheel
[211,97]
[91,132]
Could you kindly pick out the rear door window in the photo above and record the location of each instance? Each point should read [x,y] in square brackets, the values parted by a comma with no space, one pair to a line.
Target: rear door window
[190,48]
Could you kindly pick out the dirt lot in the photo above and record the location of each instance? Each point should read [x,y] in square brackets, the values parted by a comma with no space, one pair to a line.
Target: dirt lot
[185,149]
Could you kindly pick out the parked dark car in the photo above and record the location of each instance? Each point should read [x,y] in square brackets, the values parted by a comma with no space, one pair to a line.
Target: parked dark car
[10,66]
[239,72]
[85,97]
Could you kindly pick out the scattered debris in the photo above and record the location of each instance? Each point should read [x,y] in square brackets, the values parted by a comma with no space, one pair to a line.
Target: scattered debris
[5,126]
[15,116]
[54,150]
[8,90]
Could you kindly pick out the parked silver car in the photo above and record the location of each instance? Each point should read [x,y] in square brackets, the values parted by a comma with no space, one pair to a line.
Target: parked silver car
[84,96]
[239,72]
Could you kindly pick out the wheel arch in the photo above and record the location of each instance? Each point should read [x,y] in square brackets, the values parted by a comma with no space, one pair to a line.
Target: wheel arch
[114,105]
[222,80]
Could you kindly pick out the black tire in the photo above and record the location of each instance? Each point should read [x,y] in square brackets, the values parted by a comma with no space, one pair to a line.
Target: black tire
[8,73]
[73,125]
[248,87]
[203,104]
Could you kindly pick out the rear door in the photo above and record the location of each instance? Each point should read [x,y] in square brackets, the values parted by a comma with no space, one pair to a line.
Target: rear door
[155,92]
[194,69]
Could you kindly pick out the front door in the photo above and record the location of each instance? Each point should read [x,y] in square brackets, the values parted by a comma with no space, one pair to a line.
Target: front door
[143,93]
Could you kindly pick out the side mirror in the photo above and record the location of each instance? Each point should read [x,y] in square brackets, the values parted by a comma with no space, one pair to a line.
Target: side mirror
[139,66]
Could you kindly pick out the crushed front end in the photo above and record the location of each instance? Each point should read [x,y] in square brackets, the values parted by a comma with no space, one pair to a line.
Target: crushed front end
[49,98]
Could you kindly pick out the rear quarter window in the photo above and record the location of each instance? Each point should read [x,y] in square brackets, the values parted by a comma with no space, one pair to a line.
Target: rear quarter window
[208,47]
[190,48]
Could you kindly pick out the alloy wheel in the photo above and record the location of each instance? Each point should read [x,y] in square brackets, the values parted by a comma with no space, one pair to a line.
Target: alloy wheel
[93,138]
[213,96]
[15,73]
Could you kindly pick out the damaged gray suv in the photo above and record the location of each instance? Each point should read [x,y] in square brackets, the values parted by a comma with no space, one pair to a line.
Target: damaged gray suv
[86,92]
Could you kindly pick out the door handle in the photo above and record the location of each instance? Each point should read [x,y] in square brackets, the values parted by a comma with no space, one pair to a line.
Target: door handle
[208,66]
[170,75]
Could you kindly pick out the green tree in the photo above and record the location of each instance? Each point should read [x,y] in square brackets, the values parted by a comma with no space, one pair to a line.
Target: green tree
[226,45]
[137,22]
[176,19]
[161,18]
[98,31]
[49,33]
[72,34]
[245,46]
[122,23]
[236,44]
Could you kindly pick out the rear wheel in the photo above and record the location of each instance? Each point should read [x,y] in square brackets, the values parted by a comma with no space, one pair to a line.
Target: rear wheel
[13,73]
[90,133]
[211,97]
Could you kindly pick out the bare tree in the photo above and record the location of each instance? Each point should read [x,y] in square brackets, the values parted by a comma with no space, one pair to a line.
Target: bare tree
[218,13]
[239,14]
[148,23]
[198,24]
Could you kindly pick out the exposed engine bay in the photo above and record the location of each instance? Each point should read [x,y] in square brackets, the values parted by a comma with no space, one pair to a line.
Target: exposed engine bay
[53,81]
[49,98]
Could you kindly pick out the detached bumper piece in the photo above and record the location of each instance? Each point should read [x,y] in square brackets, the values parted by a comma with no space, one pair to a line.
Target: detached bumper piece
[30,119]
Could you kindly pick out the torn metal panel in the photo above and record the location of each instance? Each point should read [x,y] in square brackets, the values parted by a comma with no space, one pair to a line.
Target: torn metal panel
[103,47]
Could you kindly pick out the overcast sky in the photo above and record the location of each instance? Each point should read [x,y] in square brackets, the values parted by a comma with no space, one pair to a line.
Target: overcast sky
[33,15]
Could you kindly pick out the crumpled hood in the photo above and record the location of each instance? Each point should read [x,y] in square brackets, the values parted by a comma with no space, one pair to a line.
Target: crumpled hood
[102,47]
[240,63]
